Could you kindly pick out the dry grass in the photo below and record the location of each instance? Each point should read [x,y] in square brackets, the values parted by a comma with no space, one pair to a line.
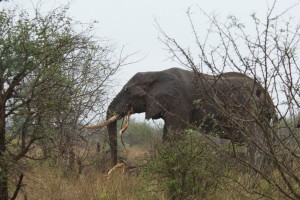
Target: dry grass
[45,183]
[50,183]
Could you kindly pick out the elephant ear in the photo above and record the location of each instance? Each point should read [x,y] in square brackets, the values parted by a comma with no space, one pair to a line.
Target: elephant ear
[165,93]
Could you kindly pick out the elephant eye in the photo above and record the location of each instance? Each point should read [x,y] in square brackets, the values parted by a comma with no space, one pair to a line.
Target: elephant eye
[126,89]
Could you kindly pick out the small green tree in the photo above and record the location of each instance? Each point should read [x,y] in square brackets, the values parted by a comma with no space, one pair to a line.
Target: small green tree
[185,167]
[52,77]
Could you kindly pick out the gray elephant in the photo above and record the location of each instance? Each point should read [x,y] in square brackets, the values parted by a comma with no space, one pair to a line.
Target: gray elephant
[232,105]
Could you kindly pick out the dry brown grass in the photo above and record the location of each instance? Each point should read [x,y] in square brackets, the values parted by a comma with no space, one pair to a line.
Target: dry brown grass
[48,183]
[45,183]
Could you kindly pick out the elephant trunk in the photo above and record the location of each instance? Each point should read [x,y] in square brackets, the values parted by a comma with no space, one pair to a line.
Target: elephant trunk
[112,132]
[113,110]
[113,143]
[112,137]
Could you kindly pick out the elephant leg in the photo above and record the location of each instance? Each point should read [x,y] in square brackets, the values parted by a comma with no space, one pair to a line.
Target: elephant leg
[169,133]
[266,163]
[251,154]
[174,125]
[259,161]
[252,159]
[267,158]
[165,133]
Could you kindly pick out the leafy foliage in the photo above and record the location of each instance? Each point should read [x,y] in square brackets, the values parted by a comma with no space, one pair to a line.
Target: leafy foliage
[185,168]
[51,77]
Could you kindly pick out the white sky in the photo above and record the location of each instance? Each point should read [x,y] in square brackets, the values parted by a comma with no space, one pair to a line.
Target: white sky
[132,23]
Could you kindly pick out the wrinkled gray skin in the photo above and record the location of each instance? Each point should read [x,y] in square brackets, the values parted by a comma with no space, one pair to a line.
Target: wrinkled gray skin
[186,100]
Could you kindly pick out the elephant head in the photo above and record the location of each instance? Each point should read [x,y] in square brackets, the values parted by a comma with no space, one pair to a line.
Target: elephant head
[149,92]
[158,94]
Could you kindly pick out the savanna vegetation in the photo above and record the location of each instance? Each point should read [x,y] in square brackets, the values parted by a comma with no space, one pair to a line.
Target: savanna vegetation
[194,167]
[54,79]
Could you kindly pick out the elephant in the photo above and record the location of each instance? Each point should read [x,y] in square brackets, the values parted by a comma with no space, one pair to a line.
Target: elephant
[232,105]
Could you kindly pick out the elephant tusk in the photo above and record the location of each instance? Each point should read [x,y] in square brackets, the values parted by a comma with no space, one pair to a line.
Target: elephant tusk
[123,129]
[103,124]
[125,126]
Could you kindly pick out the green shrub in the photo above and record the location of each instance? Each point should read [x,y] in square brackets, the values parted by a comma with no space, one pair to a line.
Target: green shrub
[185,167]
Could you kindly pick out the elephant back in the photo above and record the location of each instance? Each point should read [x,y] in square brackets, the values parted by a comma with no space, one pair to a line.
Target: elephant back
[230,104]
